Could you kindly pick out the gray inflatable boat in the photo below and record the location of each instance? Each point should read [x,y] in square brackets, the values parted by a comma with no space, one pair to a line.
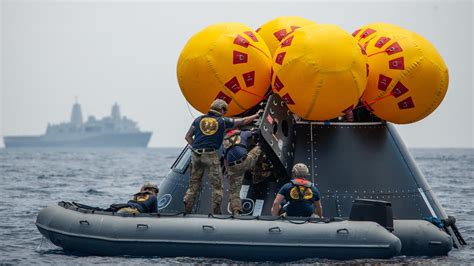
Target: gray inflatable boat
[247,238]
[363,170]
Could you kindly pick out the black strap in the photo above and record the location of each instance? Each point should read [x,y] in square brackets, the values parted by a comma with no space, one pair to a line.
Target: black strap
[238,161]
[142,204]
[301,192]
[116,206]
[205,150]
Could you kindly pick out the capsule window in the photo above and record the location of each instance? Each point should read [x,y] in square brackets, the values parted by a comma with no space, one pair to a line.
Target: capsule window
[181,164]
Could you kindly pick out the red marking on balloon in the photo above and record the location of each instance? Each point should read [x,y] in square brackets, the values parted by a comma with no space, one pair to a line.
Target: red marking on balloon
[384,81]
[280,35]
[393,49]
[277,85]
[280,57]
[239,40]
[287,99]
[287,42]
[397,63]
[355,32]
[249,78]
[251,35]
[293,28]
[271,72]
[406,104]
[362,49]
[240,58]
[367,33]
[224,97]
[367,69]
[367,106]
[381,42]
[233,85]
[399,90]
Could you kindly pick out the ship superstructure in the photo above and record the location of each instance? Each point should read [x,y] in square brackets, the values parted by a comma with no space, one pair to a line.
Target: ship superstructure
[111,131]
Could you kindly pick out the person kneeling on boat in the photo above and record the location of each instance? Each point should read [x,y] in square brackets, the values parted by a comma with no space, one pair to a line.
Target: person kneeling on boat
[302,196]
[238,161]
[143,202]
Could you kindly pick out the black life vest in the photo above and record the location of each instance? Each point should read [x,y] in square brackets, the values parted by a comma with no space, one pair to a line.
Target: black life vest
[301,189]
[140,198]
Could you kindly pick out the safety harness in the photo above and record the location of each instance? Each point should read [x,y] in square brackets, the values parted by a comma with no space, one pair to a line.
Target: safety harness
[232,139]
[140,198]
[303,188]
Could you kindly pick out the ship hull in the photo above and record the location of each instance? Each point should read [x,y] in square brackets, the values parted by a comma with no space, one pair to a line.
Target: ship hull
[140,139]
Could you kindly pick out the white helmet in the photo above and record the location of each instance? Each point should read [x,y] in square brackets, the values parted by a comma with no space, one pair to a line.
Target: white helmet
[300,170]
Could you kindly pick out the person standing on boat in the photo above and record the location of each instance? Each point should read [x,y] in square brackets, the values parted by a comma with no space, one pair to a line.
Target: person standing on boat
[205,135]
[302,196]
[238,161]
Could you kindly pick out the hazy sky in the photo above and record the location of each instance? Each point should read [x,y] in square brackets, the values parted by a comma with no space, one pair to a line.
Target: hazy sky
[126,52]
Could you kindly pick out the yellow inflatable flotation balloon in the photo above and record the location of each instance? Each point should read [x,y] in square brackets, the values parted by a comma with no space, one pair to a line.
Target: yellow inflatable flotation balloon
[275,30]
[372,30]
[229,61]
[319,71]
[408,79]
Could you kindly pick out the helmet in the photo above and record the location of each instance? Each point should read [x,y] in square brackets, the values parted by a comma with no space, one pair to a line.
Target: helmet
[149,185]
[219,104]
[300,170]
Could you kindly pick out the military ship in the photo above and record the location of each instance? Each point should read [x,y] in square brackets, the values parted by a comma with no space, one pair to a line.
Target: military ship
[112,131]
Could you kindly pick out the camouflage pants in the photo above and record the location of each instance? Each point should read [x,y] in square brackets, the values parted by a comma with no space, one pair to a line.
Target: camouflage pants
[236,174]
[128,210]
[199,163]
[262,170]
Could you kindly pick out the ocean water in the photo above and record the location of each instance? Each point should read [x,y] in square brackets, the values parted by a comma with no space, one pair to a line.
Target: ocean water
[31,179]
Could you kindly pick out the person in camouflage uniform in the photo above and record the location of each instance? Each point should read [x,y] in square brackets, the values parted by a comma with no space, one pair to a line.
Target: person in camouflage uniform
[205,136]
[200,162]
[238,161]
[263,169]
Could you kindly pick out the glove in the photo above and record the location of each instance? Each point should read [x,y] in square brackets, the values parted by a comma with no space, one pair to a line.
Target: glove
[260,113]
